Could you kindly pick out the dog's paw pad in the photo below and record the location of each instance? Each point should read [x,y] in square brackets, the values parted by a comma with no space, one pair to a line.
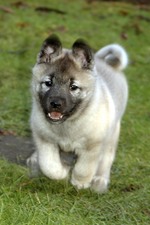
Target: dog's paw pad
[99,184]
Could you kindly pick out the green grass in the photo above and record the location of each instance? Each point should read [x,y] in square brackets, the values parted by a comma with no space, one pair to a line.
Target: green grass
[42,201]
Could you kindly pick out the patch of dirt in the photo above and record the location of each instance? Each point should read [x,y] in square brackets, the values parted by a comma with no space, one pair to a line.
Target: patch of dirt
[16,149]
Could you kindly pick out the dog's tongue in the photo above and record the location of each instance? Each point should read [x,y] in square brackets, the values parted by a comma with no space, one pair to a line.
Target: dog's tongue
[55,115]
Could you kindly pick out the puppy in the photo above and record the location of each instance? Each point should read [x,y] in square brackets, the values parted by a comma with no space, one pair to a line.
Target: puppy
[78,102]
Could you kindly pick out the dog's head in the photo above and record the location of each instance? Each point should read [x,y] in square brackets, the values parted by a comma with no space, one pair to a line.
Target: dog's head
[63,80]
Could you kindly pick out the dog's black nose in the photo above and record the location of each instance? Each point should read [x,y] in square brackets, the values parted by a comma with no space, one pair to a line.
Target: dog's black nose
[57,103]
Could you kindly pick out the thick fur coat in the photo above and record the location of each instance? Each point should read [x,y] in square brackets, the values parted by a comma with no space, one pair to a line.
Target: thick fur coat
[79,99]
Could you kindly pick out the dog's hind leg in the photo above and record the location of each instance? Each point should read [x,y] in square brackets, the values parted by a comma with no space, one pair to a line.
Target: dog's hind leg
[101,179]
[32,163]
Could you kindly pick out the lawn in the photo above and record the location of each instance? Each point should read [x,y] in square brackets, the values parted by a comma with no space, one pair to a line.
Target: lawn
[23,27]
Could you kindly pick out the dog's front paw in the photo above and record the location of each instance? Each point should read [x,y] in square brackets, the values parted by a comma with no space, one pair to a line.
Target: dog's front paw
[99,184]
[80,184]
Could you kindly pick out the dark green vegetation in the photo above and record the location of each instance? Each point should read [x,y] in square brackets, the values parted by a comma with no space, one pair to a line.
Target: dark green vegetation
[23,27]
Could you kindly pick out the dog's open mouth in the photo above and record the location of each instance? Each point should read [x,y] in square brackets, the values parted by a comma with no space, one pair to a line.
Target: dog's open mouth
[55,116]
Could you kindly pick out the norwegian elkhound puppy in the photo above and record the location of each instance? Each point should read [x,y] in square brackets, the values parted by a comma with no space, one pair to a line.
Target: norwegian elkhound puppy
[78,102]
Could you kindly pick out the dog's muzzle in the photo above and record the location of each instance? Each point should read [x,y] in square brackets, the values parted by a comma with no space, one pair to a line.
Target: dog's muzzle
[56,109]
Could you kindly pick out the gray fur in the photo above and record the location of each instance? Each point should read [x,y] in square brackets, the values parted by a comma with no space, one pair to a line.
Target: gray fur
[78,103]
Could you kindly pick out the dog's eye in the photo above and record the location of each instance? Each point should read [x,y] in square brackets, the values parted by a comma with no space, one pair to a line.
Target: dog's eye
[73,87]
[48,83]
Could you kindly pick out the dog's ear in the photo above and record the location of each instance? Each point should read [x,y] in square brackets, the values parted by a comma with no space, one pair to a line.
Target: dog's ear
[51,48]
[83,53]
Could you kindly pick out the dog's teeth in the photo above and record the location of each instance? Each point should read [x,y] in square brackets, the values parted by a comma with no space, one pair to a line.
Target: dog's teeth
[55,115]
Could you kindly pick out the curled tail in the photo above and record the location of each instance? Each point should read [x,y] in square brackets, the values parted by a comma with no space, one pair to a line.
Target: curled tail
[114,55]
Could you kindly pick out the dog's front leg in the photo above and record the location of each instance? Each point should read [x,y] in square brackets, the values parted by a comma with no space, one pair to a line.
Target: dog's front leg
[49,160]
[50,163]
[101,179]
[85,168]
